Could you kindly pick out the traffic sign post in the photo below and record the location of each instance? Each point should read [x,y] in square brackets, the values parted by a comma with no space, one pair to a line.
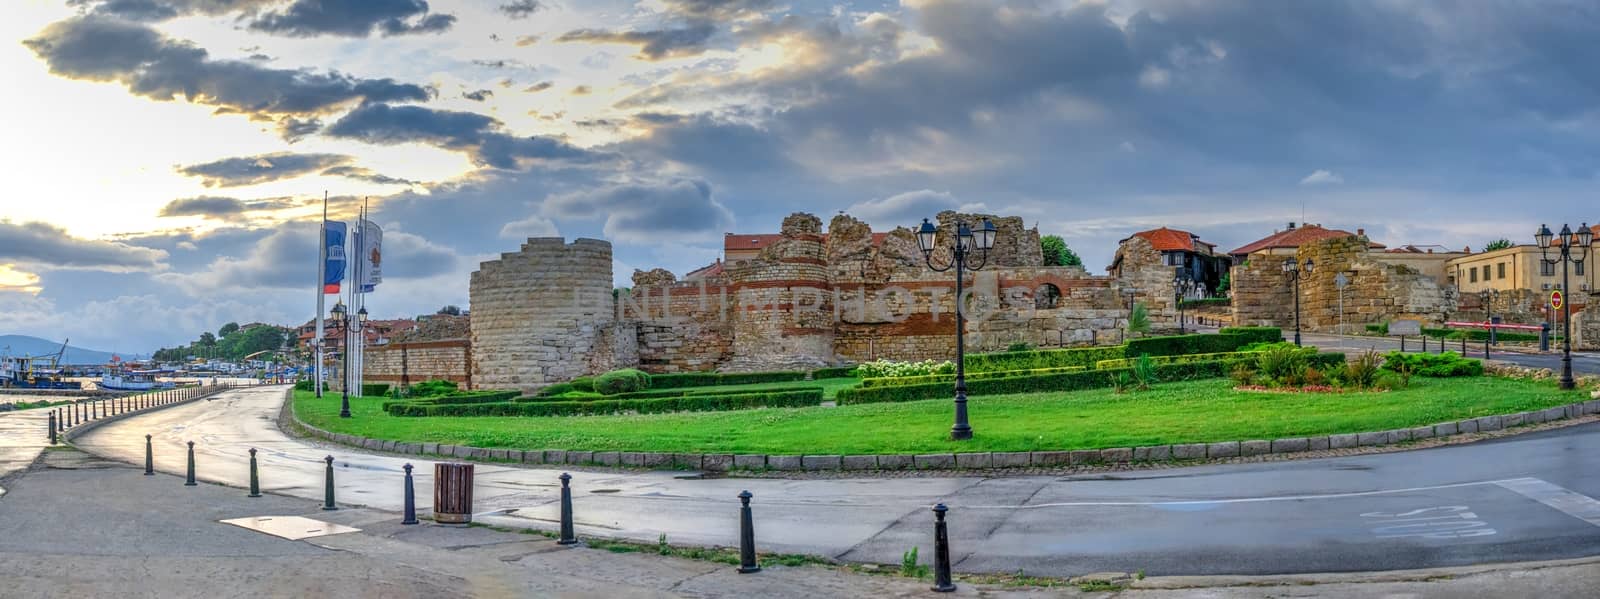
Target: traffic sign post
[1557,300]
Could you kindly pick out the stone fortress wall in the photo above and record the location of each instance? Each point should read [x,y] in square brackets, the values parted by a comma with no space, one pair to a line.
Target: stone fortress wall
[407,363]
[1376,291]
[547,313]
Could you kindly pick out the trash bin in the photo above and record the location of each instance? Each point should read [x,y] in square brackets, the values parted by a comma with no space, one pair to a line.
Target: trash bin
[452,494]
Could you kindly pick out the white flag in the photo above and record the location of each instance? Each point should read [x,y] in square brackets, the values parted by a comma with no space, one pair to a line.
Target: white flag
[371,256]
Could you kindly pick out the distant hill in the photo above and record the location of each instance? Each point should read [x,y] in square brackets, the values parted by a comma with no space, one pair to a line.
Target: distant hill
[23,345]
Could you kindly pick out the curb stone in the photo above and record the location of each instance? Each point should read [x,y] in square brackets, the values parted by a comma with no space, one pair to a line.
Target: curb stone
[1012,459]
[895,462]
[754,462]
[974,460]
[1085,456]
[1189,451]
[859,462]
[1290,445]
[1117,454]
[717,462]
[1051,458]
[1370,439]
[820,462]
[935,460]
[1226,449]
[1250,448]
[783,462]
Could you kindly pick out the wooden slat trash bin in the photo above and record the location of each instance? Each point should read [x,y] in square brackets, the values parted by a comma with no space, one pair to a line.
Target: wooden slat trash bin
[452,494]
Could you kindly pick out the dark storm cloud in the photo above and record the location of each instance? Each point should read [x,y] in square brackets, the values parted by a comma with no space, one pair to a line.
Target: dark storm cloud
[352,18]
[250,170]
[653,45]
[43,245]
[717,9]
[521,9]
[160,68]
[365,174]
[223,208]
[478,95]
[161,10]
[707,142]
[647,212]
[479,136]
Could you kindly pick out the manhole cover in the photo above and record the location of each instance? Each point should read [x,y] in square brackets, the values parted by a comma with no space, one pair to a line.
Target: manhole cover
[293,528]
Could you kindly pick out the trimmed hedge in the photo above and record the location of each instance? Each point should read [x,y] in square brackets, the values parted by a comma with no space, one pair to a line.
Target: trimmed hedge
[1047,358]
[305,385]
[688,403]
[1067,381]
[841,372]
[1186,344]
[1236,356]
[627,380]
[710,379]
[1254,334]
[1206,302]
[474,397]
[1448,364]
[889,381]
[657,394]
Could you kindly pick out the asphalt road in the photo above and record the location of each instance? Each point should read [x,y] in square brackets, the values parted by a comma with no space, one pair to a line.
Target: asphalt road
[23,434]
[1524,498]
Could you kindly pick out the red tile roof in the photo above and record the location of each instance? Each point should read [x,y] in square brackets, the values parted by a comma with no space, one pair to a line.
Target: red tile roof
[714,269]
[1296,237]
[1170,240]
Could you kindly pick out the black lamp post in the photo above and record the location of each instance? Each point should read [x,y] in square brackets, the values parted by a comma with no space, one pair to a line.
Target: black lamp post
[339,318]
[1181,288]
[1583,239]
[1293,270]
[1487,297]
[967,242]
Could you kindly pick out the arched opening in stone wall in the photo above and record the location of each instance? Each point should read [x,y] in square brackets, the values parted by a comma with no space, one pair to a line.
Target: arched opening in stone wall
[1047,297]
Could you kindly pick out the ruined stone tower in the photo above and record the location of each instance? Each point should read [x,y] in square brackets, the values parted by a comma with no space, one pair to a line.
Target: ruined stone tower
[784,317]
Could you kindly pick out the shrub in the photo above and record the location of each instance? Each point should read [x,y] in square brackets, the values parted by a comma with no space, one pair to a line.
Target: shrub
[1447,364]
[305,385]
[1205,302]
[1265,345]
[1381,328]
[709,379]
[374,389]
[1178,359]
[1243,374]
[687,403]
[891,368]
[842,372]
[626,380]
[1144,372]
[1254,334]
[1018,346]
[475,397]
[1314,377]
[1283,365]
[1138,319]
[971,376]
[1362,373]
[431,388]
[557,389]
[1049,358]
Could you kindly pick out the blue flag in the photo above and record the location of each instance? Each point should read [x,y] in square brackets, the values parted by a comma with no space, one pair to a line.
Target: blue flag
[334,271]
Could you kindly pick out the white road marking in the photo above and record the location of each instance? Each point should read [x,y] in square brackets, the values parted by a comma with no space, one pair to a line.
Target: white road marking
[1251,499]
[1571,503]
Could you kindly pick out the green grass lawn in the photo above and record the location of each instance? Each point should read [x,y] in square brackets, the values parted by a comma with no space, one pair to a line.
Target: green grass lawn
[1189,412]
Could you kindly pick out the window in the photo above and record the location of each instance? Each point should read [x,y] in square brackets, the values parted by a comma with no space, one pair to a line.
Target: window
[1500,271]
[1577,268]
[1046,297]
[1174,259]
[1486,273]
[1547,268]
[1474,273]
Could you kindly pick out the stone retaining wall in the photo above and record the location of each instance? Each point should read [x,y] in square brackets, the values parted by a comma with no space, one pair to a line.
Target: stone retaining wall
[407,363]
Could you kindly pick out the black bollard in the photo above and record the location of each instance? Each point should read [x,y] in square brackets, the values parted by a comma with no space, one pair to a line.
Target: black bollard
[747,536]
[567,536]
[149,464]
[189,480]
[327,493]
[941,552]
[411,500]
[52,428]
[255,481]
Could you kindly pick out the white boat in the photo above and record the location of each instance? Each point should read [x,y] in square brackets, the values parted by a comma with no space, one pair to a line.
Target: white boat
[134,380]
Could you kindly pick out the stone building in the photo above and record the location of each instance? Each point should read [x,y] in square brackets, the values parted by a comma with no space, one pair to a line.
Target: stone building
[806,298]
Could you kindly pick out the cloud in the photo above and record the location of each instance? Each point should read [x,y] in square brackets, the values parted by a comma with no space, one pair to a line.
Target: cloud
[47,246]
[286,258]
[533,226]
[479,95]
[250,170]
[1322,177]
[223,208]
[154,66]
[521,9]
[539,87]
[653,45]
[477,135]
[527,40]
[352,18]
[161,10]
[365,174]
[648,213]
[13,280]
[907,209]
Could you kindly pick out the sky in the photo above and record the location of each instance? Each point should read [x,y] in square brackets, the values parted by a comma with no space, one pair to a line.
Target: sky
[166,160]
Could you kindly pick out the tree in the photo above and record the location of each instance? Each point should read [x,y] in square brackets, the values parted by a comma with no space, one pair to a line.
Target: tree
[1138,319]
[1498,244]
[451,310]
[208,340]
[228,329]
[1056,252]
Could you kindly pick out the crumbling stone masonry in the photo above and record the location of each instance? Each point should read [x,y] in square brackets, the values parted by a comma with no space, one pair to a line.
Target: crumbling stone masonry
[1376,291]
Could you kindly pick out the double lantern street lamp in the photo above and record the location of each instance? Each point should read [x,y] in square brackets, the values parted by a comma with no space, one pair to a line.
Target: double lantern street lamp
[1584,238]
[1181,288]
[339,317]
[1293,270]
[968,241]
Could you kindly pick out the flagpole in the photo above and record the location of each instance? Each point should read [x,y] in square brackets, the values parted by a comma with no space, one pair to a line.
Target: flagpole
[361,297]
[322,278]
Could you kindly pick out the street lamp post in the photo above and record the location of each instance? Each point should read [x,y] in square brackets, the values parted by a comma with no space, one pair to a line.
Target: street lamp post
[1293,270]
[1181,288]
[1584,239]
[1487,297]
[344,402]
[967,241]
